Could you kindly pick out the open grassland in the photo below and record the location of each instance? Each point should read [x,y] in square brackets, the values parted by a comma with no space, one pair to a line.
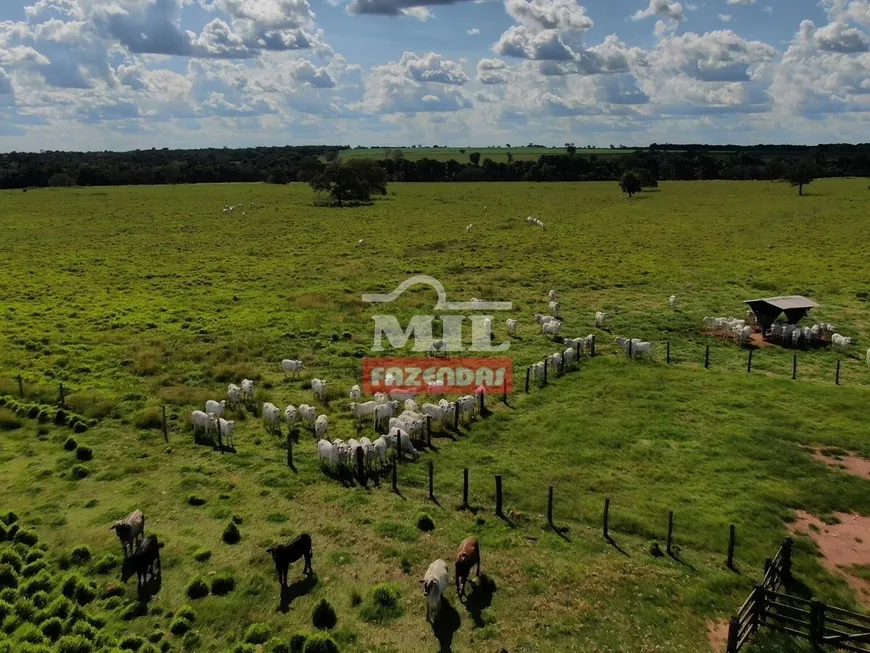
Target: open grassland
[497,154]
[136,298]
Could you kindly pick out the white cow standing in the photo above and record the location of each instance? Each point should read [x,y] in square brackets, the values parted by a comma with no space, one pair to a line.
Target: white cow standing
[318,387]
[435,582]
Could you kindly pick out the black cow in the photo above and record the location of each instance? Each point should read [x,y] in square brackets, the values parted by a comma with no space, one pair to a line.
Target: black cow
[284,554]
[143,561]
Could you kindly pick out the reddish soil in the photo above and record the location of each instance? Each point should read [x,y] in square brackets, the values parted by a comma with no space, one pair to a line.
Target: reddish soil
[842,545]
[850,464]
[756,339]
[717,634]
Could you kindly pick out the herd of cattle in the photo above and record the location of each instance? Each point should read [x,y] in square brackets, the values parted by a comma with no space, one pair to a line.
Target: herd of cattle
[779,332]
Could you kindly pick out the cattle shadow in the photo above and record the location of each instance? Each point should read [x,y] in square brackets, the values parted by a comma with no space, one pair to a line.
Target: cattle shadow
[151,587]
[480,598]
[295,590]
[445,626]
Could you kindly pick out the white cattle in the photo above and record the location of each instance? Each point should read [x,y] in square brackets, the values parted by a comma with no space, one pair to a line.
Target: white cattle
[318,387]
[575,343]
[363,410]
[271,416]
[551,328]
[512,328]
[530,219]
[556,309]
[435,583]
[795,336]
[355,394]
[201,422]
[538,372]
[556,361]
[487,325]
[308,414]
[600,319]
[404,440]
[380,447]
[442,414]
[672,302]
[291,415]
[361,242]
[321,426]
[215,408]
[408,424]
[469,227]
[291,366]
[326,453]
[342,452]
[234,394]
[543,319]
[381,397]
[569,356]
[746,335]
[227,427]
[410,404]
[368,451]
[383,412]
[465,405]
[247,390]
[838,340]
[552,295]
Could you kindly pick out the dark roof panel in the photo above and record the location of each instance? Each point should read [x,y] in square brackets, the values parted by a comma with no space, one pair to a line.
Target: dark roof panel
[786,303]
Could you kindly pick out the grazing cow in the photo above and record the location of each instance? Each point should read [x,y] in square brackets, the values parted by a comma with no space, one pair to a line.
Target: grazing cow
[201,422]
[410,404]
[215,408]
[380,446]
[308,414]
[285,554]
[469,227]
[342,452]
[291,416]
[318,387]
[234,394]
[600,319]
[321,426]
[355,394]
[227,427]
[291,366]
[672,302]
[368,451]
[385,411]
[271,416]
[541,319]
[556,309]
[404,439]
[363,410]
[434,583]
[551,295]
[551,328]
[538,372]
[129,530]
[438,413]
[143,562]
[247,391]
[467,557]
[838,340]
[465,405]
[326,453]
[512,328]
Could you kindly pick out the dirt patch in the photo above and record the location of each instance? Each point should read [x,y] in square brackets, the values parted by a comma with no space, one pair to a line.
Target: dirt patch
[717,634]
[843,545]
[756,340]
[847,463]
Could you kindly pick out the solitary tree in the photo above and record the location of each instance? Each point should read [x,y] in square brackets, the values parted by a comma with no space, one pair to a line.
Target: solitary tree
[571,149]
[462,151]
[397,155]
[800,175]
[474,157]
[630,183]
[510,157]
[354,181]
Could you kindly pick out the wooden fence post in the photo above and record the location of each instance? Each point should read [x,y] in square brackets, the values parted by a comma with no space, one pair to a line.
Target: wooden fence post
[786,561]
[550,507]
[504,398]
[455,416]
[429,431]
[606,518]
[669,352]
[432,480]
[547,361]
[578,352]
[630,348]
[731,543]
[498,501]
[592,347]
[707,358]
[63,398]
[165,427]
[482,406]
[759,614]
[749,363]
[290,448]
[465,489]
[817,621]
[794,368]
[395,474]
[838,372]
[733,632]
[220,436]
[21,386]
[398,446]
[528,373]
[670,531]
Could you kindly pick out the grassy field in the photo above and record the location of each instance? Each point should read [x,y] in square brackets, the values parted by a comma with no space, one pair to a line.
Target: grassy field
[136,298]
[497,154]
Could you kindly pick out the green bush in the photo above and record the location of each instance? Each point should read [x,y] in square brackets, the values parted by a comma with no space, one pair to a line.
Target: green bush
[52,628]
[78,472]
[73,644]
[197,588]
[8,578]
[105,564]
[84,629]
[190,641]
[70,444]
[131,643]
[79,427]
[297,642]
[201,555]
[133,610]
[150,418]
[223,583]
[186,612]
[12,531]
[8,595]
[11,558]
[80,555]
[11,624]
[5,610]
[42,582]
[29,633]
[8,420]
[231,534]
[381,605]
[195,500]
[60,608]
[277,646]
[33,568]
[323,616]
[84,453]
[33,555]
[24,609]
[26,537]
[245,648]
[3,531]
[179,626]
[112,590]
[257,634]
[425,523]
[320,643]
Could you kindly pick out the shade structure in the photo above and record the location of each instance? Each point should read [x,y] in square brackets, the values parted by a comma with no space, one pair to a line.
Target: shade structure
[767,310]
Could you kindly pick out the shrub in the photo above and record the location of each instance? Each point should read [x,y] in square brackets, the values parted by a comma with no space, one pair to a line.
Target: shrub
[73,644]
[84,453]
[323,615]
[150,418]
[8,595]
[320,643]
[60,608]
[131,643]
[8,420]
[5,610]
[79,427]
[297,642]
[277,646]
[190,641]
[33,413]
[11,532]
[29,633]
[223,583]
[197,588]
[245,648]
[42,582]
[11,558]
[26,537]
[105,564]
[40,600]
[257,634]
[85,629]
[33,555]
[425,523]
[201,555]
[52,628]
[195,500]
[3,531]
[186,612]
[60,418]
[8,577]
[80,555]
[78,472]
[24,609]
[134,609]
[112,590]
[231,534]
[179,626]
[11,623]
[33,568]
[381,605]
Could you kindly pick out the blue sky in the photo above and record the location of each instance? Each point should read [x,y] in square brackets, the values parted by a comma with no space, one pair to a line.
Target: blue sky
[121,74]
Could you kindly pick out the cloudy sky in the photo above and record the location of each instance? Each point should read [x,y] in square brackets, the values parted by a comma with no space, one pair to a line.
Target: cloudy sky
[122,74]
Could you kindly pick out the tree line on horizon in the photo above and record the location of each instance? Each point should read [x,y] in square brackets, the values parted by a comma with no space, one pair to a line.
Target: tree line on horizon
[289,164]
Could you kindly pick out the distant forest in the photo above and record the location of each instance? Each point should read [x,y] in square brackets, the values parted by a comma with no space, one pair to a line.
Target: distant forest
[287,164]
